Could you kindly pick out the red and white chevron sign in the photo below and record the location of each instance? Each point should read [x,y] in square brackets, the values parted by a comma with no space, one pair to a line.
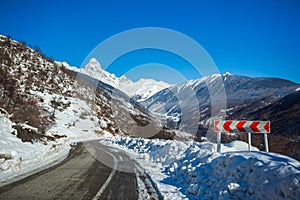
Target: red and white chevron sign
[233,126]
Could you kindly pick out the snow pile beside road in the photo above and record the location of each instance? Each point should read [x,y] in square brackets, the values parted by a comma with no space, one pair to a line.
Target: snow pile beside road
[75,123]
[194,171]
[17,157]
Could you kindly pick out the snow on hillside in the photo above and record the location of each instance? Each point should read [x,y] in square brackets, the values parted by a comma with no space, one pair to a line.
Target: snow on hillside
[141,89]
[191,170]
[17,157]
[77,122]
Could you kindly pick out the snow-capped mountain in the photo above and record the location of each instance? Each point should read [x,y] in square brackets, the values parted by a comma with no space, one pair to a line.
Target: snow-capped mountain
[139,90]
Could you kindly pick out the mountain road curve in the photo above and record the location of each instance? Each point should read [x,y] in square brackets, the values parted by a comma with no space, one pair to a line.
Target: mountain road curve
[82,176]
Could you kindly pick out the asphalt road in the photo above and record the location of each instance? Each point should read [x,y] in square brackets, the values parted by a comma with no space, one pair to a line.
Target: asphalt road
[80,176]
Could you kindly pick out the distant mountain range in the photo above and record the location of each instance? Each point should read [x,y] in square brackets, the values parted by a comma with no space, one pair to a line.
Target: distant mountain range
[273,99]
[244,95]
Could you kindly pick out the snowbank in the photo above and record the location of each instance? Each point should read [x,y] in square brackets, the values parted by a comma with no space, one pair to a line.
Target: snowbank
[20,159]
[194,171]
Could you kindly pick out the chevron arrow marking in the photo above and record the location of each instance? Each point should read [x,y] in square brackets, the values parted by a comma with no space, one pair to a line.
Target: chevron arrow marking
[254,128]
[234,126]
[240,127]
[226,126]
[216,128]
[267,127]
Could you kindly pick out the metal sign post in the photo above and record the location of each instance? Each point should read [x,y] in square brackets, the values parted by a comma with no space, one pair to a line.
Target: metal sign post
[249,141]
[233,126]
[266,142]
[219,142]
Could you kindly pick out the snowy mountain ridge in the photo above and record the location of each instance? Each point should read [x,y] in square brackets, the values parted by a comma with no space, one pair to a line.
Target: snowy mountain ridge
[239,90]
[140,90]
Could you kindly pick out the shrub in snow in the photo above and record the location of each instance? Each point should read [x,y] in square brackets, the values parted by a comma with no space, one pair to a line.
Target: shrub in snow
[4,156]
[27,133]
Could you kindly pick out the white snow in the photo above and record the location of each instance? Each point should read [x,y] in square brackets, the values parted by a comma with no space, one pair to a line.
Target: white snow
[195,171]
[298,89]
[65,64]
[24,157]
[144,88]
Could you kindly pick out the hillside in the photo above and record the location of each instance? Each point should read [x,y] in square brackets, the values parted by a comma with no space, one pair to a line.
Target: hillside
[27,76]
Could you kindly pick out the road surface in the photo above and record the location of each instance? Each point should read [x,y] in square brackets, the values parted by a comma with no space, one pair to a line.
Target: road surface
[82,176]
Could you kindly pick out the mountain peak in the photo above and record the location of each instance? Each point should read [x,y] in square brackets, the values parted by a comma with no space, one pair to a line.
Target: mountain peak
[93,65]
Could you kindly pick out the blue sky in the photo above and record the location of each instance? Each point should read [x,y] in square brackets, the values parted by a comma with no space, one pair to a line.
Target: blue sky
[253,38]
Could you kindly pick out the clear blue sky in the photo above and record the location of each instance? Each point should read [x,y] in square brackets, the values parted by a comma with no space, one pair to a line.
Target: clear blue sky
[254,38]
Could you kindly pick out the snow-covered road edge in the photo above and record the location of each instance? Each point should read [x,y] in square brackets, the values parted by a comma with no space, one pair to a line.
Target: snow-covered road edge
[21,159]
[14,176]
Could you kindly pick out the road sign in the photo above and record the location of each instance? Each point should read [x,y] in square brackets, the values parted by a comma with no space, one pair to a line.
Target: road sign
[233,126]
